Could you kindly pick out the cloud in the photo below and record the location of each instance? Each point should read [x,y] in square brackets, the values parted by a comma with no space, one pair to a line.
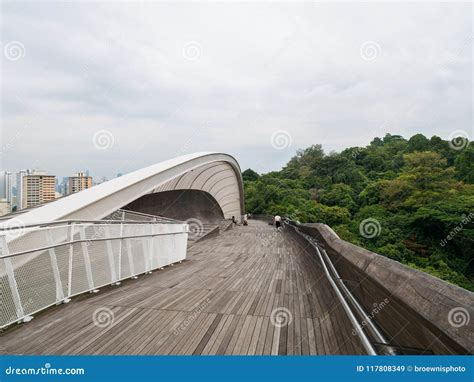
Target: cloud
[166,79]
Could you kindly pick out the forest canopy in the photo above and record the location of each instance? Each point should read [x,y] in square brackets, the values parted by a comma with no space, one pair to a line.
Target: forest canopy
[418,194]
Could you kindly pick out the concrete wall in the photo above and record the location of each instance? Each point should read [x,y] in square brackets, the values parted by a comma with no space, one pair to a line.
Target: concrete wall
[420,306]
[180,205]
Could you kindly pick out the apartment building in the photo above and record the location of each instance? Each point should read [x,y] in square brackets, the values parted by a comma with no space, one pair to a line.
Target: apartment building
[38,188]
[5,207]
[78,182]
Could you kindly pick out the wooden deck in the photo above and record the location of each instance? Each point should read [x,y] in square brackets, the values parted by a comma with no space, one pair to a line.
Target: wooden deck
[224,299]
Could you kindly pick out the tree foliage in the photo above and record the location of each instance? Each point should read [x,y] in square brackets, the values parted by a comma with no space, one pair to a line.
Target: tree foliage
[420,191]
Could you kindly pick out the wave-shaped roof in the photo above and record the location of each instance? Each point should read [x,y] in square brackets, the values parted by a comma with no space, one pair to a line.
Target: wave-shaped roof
[216,173]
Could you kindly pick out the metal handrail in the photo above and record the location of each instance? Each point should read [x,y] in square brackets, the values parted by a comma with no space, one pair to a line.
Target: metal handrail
[355,323]
[372,327]
[380,338]
[144,214]
[72,221]
[45,248]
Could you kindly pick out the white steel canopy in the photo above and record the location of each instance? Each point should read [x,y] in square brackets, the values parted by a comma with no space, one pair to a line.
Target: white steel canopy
[215,173]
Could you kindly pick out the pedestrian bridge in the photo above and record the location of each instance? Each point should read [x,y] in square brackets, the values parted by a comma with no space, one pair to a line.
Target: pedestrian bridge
[150,263]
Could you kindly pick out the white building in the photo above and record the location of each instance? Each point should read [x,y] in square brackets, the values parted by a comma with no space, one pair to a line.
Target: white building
[19,187]
[6,186]
[9,187]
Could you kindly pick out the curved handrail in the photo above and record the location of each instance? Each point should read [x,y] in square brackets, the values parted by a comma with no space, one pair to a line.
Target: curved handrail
[366,343]
[422,308]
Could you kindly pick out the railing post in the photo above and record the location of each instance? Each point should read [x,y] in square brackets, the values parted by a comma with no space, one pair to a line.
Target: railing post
[54,266]
[71,254]
[130,259]
[174,250]
[146,248]
[87,260]
[110,253]
[121,247]
[11,278]
[131,266]
[152,244]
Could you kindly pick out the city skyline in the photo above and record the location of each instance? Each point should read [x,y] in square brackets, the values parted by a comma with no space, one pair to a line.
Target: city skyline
[13,197]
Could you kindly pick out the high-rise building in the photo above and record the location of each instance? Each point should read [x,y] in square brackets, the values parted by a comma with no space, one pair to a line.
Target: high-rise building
[19,188]
[2,184]
[37,188]
[5,207]
[78,182]
[62,186]
[6,186]
[9,187]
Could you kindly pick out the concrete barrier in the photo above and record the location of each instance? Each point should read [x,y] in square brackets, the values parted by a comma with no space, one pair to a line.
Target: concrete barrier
[423,315]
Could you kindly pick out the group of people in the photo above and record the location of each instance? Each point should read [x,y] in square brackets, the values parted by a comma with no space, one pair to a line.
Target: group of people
[276,221]
[245,219]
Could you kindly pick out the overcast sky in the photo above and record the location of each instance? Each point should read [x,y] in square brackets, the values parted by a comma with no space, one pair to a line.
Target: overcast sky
[113,86]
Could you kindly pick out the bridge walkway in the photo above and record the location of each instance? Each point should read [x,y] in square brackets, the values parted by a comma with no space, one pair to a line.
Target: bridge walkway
[250,290]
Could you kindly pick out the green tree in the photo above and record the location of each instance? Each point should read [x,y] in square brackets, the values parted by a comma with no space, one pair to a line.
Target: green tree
[418,142]
[250,175]
[464,164]
[339,194]
[419,191]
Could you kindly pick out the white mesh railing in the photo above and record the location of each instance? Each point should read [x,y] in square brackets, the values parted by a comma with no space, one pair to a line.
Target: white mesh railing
[44,265]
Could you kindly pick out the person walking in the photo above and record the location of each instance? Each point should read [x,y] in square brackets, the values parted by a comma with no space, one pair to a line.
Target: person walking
[245,222]
[277,220]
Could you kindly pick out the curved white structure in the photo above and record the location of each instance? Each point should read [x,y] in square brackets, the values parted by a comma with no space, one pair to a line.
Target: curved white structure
[216,173]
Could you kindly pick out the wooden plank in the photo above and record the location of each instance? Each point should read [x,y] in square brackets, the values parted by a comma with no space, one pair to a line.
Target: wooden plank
[255,336]
[208,335]
[215,340]
[261,337]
